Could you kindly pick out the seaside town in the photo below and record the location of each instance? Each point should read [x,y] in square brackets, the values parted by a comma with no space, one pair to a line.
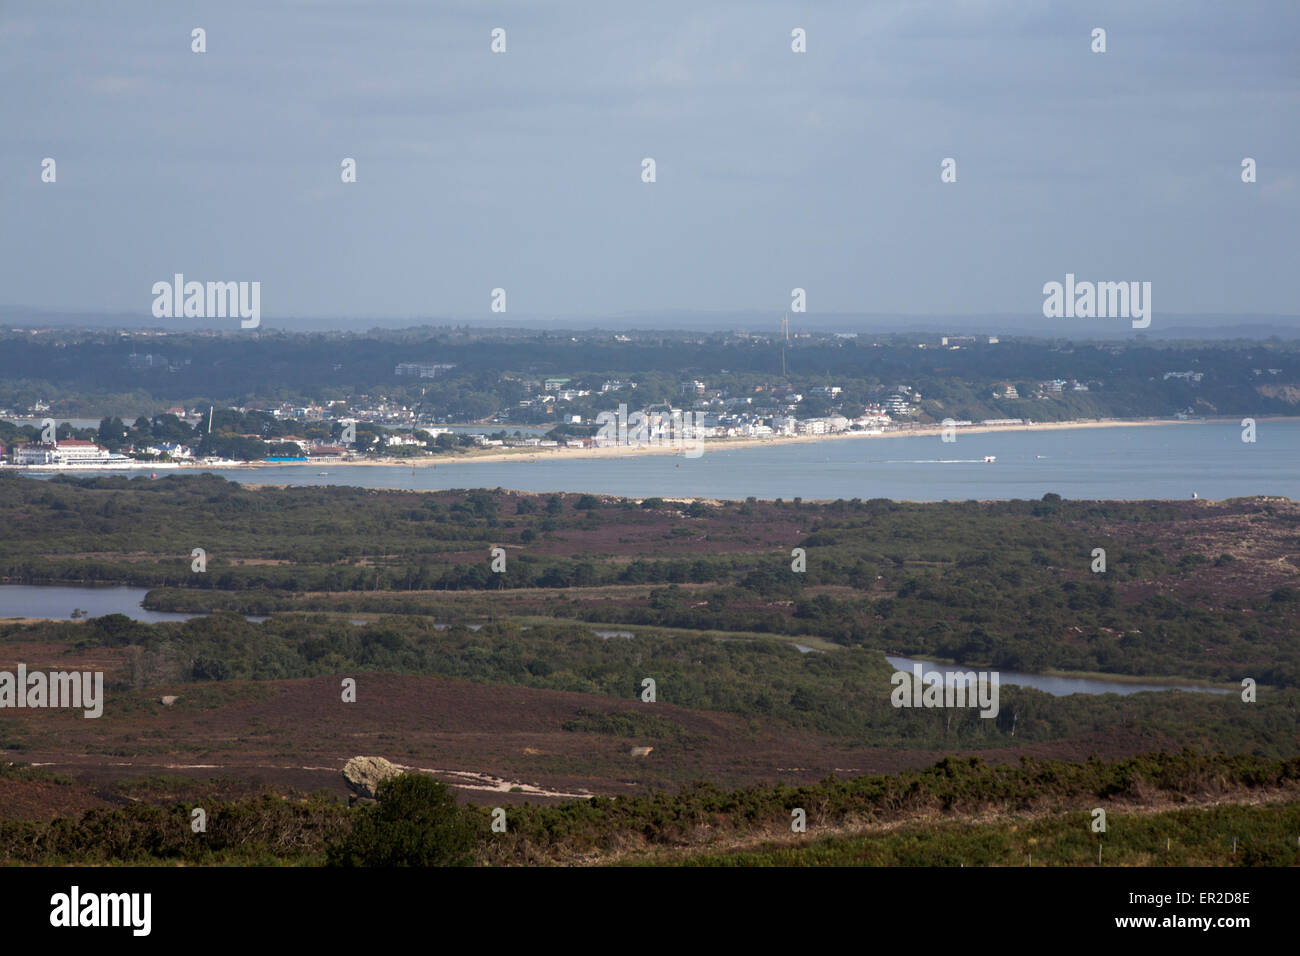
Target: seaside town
[552,413]
[383,430]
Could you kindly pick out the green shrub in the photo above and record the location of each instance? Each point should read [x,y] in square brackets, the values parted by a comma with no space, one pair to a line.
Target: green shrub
[416,823]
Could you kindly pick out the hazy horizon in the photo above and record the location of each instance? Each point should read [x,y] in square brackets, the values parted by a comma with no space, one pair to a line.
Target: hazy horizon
[775,170]
[1190,326]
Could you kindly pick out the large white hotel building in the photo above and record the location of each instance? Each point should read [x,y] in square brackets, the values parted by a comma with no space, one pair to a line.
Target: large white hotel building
[68,452]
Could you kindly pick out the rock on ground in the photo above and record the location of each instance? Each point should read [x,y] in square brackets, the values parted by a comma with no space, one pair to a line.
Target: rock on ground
[364,774]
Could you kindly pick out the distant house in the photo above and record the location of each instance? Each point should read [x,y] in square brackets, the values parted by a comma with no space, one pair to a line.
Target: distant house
[898,405]
[872,420]
[423,369]
[171,449]
[327,451]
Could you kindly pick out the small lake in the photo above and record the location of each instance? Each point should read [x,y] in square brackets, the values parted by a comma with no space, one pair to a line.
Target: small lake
[57,601]
[1056,686]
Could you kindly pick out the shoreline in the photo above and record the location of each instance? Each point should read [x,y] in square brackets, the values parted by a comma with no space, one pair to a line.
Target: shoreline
[537,455]
[727,444]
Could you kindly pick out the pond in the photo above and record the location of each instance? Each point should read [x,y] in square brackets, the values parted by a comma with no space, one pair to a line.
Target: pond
[1056,686]
[57,602]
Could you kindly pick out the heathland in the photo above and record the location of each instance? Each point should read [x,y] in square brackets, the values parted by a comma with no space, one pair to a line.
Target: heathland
[500,643]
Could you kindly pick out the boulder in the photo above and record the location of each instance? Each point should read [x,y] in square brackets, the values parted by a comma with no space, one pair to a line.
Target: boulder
[365,774]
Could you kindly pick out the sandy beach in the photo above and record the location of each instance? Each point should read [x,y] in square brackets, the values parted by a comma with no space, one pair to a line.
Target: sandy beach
[725,444]
[688,449]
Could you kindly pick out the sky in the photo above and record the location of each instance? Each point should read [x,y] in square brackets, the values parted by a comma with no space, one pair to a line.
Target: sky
[775,170]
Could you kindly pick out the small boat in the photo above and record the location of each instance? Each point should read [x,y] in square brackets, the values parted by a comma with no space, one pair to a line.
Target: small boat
[322,472]
[990,458]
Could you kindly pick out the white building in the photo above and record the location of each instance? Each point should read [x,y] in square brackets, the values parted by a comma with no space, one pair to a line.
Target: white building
[872,420]
[898,405]
[72,452]
[171,449]
[34,454]
[423,369]
[67,452]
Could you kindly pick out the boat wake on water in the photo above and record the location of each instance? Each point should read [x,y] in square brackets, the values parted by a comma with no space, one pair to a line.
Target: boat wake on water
[938,461]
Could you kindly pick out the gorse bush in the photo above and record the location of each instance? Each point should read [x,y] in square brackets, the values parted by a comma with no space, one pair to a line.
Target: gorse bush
[417,822]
